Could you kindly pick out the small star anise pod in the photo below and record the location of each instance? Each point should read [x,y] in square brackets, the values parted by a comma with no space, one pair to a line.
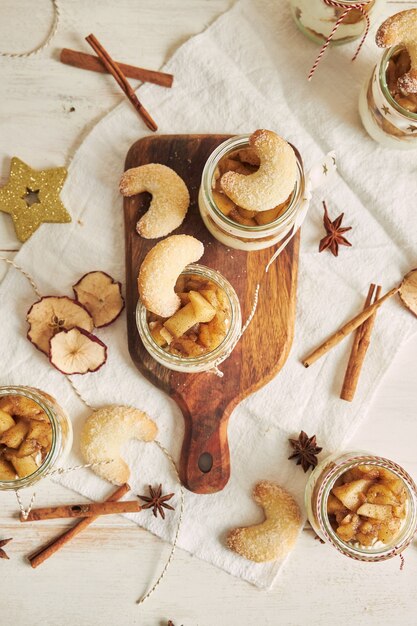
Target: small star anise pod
[157,501]
[3,543]
[305,451]
[334,230]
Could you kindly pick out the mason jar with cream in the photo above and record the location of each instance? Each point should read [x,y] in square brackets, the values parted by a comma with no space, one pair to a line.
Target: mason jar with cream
[317,18]
[252,190]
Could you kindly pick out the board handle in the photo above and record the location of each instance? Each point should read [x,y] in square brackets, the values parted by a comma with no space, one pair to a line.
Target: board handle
[205,457]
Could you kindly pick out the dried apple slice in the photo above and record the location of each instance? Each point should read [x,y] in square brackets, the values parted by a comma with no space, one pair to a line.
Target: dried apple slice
[52,314]
[77,351]
[101,296]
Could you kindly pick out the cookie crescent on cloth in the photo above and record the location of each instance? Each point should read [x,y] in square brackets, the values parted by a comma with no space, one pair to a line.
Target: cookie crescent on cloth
[104,433]
[276,536]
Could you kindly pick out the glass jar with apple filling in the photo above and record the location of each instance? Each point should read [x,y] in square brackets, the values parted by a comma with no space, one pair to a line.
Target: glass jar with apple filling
[320,499]
[388,116]
[247,234]
[211,342]
[41,428]
[316,19]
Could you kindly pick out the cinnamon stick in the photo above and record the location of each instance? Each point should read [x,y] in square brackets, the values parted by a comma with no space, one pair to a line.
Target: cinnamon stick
[94,509]
[359,349]
[44,553]
[345,330]
[90,62]
[113,69]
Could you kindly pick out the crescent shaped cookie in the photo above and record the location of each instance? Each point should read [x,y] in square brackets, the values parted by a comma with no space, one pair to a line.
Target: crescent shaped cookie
[160,270]
[272,183]
[170,198]
[401,29]
[276,536]
[104,433]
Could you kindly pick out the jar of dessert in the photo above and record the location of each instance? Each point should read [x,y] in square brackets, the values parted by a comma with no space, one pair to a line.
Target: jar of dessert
[317,18]
[236,227]
[389,116]
[364,505]
[35,435]
[203,332]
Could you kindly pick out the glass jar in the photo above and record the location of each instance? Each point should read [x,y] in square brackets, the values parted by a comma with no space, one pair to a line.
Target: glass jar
[62,435]
[318,489]
[240,236]
[385,120]
[206,361]
[316,19]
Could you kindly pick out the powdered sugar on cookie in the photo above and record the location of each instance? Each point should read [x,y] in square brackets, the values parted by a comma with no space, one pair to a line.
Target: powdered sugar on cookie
[272,183]
[401,29]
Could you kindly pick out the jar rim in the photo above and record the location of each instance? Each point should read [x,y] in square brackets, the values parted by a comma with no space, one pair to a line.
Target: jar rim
[33,394]
[208,358]
[384,85]
[406,534]
[262,229]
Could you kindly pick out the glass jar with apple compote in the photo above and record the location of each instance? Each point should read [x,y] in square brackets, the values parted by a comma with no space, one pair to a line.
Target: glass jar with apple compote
[236,227]
[35,436]
[389,116]
[203,332]
[364,505]
[317,18]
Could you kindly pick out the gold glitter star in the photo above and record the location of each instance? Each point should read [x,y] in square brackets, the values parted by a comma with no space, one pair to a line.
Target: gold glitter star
[325,169]
[386,110]
[31,197]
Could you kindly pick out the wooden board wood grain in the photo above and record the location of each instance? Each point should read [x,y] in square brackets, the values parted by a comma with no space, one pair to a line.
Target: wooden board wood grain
[206,400]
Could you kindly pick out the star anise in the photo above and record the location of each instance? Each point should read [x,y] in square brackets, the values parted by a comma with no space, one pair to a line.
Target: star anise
[3,543]
[157,501]
[334,230]
[305,450]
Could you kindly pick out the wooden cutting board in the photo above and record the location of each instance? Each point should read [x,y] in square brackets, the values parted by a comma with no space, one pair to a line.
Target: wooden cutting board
[206,400]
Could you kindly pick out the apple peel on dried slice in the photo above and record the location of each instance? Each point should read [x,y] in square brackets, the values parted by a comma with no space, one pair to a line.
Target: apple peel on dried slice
[50,315]
[408,291]
[76,351]
[101,296]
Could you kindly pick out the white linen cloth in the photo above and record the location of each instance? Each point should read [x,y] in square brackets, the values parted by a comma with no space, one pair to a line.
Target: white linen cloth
[247,71]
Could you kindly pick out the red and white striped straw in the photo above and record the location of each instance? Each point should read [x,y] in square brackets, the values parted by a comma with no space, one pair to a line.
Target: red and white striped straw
[359,6]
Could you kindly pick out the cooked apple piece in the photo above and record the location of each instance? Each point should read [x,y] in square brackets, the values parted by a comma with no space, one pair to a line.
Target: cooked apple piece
[188,347]
[365,540]
[6,421]
[28,447]
[350,493]
[13,437]
[389,530]
[166,335]
[376,511]
[400,510]
[181,321]
[348,527]
[6,470]
[237,217]
[246,213]
[385,474]
[204,312]
[380,494]
[210,296]
[370,471]
[25,466]
[248,155]
[266,217]
[19,406]
[340,515]
[41,432]
[184,297]
[155,330]
[334,505]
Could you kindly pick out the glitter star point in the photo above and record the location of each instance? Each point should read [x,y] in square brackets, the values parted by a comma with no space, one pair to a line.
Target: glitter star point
[31,198]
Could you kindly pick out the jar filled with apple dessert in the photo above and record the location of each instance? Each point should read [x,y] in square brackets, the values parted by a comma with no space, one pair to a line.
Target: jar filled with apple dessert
[35,434]
[252,189]
[388,100]
[364,505]
[317,18]
[204,329]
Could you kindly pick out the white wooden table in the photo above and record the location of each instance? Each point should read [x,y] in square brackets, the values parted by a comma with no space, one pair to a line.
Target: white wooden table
[45,111]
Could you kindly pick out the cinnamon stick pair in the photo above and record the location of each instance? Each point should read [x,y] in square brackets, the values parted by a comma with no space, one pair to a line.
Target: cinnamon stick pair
[41,555]
[95,510]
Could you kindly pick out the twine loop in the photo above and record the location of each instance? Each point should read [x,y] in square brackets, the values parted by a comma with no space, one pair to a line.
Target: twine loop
[358,6]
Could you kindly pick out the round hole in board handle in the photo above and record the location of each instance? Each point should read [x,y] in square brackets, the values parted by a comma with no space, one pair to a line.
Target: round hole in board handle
[205,462]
